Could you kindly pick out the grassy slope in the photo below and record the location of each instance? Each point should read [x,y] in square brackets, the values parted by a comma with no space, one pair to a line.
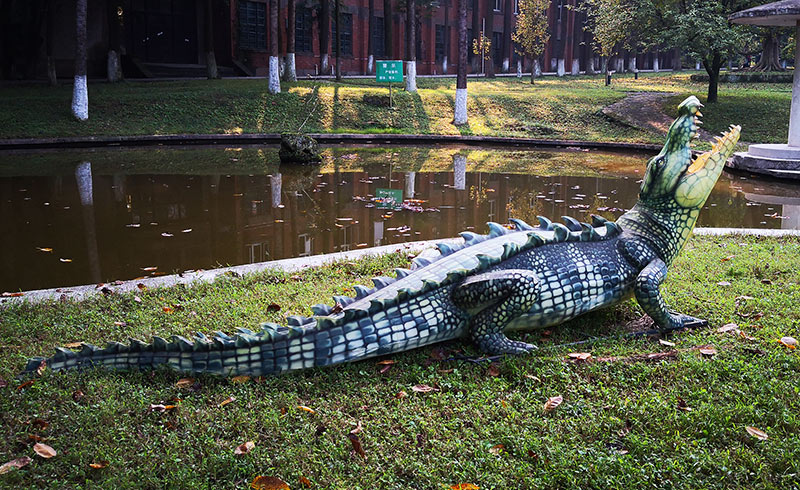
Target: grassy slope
[618,426]
[565,108]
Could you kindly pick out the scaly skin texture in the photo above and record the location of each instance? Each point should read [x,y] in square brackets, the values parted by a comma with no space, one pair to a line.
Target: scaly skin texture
[517,279]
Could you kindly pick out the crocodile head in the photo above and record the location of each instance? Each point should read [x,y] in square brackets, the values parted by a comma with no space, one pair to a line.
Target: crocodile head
[673,177]
[676,185]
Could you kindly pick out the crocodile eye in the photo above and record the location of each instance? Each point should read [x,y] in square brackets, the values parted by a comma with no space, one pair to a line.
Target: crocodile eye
[658,161]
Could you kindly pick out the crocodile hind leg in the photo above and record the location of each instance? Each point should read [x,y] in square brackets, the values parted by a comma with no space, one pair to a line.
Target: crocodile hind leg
[504,295]
[650,299]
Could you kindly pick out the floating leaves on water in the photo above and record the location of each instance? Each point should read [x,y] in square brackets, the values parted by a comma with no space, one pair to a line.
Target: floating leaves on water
[552,403]
[581,356]
[423,388]
[167,235]
[65,260]
[99,465]
[268,483]
[44,249]
[15,464]
[307,409]
[244,448]
[150,268]
[187,230]
[44,450]
[757,433]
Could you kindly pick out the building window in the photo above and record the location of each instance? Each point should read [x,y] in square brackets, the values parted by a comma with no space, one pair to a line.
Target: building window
[439,43]
[252,25]
[497,44]
[302,30]
[378,41]
[498,5]
[347,34]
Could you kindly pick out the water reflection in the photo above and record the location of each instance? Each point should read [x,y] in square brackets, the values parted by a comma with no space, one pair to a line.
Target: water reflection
[136,221]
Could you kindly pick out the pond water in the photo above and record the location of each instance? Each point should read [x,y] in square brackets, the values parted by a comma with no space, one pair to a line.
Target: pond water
[83,217]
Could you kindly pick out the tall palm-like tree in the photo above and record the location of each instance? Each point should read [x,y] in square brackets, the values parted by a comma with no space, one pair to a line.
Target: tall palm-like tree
[80,93]
[274,83]
[460,116]
[291,71]
[411,46]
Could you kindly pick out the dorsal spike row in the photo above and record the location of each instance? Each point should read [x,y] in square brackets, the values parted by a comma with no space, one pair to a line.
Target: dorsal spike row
[321,309]
[420,262]
[534,240]
[445,248]
[560,232]
[521,225]
[572,223]
[382,281]
[298,320]
[401,273]
[361,291]
[544,223]
[343,300]
[496,229]
[471,238]
[598,221]
[612,229]
[510,249]
[588,233]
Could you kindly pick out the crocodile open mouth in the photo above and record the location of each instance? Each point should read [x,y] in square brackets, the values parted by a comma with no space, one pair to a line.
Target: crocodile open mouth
[722,143]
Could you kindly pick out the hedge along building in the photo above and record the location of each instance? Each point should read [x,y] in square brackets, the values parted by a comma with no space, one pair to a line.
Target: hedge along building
[170,37]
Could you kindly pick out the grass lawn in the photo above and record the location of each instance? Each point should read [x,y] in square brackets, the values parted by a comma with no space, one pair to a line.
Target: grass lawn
[566,108]
[619,425]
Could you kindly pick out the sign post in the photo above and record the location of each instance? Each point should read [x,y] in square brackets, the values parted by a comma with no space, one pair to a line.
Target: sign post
[388,72]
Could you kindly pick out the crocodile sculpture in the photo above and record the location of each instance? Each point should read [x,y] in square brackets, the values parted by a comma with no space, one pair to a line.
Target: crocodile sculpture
[512,279]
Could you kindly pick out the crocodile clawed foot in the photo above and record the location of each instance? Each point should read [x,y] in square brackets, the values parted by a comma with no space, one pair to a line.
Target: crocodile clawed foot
[679,320]
[499,344]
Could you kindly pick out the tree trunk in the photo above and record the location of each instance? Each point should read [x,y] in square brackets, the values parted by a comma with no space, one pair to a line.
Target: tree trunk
[80,94]
[370,35]
[113,66]
[490,37]
[712,68]
[50,42]
[324,35]
[460,116]
[411,46]
[290,75]
[507,48]
[274,83]
[770,59]
[337,8]
[677,62]
[476,32]
[208,42]
[388,23]
[446,39]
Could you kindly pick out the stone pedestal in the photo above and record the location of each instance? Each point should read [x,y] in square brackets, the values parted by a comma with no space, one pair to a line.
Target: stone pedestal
[777,160]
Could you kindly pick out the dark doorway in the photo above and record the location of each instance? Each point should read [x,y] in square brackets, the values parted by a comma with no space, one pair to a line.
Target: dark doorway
[163,31]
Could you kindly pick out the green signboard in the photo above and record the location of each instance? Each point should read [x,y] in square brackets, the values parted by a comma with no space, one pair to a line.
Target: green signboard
[389,198]
[389,71]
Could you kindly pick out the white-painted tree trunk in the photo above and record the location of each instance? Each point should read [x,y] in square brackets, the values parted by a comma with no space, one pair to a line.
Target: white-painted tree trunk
[537,68]
[460,117]
[655,64]
[370,64]
[80,98]
[275,186]
[323,67]
[51,71]
[274,83]
[411,76]
[411,185]
[794,112]
[506,65]
[560,70]
[444,65]
[459,172]
[83,174]
[576,67]
[697,65]
[113,67]
[632,64]
[620,65]
[519,68]
[211,65]
[590,65]
[291,68]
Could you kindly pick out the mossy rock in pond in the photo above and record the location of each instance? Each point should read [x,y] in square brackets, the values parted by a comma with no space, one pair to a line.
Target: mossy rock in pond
[299,148]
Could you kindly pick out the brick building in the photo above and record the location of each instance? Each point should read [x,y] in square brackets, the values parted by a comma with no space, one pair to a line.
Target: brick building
[167,37]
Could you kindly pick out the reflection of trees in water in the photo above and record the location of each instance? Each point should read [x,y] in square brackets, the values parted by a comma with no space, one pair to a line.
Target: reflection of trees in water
[523,204]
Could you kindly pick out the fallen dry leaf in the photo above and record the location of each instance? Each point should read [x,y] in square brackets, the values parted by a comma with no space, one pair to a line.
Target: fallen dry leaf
[12,295]
[401,394]
[73,345]
[150,269]
[497,449]
[757,433]
[226,401]
[682,405]
[305,481]
[666,342]
[708,351]
[24,385]
[14,464]
[493,370]
[44,450]
[728,327]
[158,407]
[464,486]
[185,382]
[581,356]
[244,448]
[240,379]
[44,249]
[552,403]
[789,342]
[423,388]
[98,465]
[268,483]
[273,307]
[307,409]
[3,383]
[65,260]
[723,283]
[356,442]
[78,396]
[386,362]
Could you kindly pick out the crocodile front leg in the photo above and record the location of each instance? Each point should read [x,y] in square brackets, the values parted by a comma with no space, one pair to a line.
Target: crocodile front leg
[506,295]
[649,297]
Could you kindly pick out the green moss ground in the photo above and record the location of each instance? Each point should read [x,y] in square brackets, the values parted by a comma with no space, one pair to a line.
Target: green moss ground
[618,427]
[566,108]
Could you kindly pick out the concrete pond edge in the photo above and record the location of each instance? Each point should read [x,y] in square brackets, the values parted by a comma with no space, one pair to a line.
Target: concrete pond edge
[78,293]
